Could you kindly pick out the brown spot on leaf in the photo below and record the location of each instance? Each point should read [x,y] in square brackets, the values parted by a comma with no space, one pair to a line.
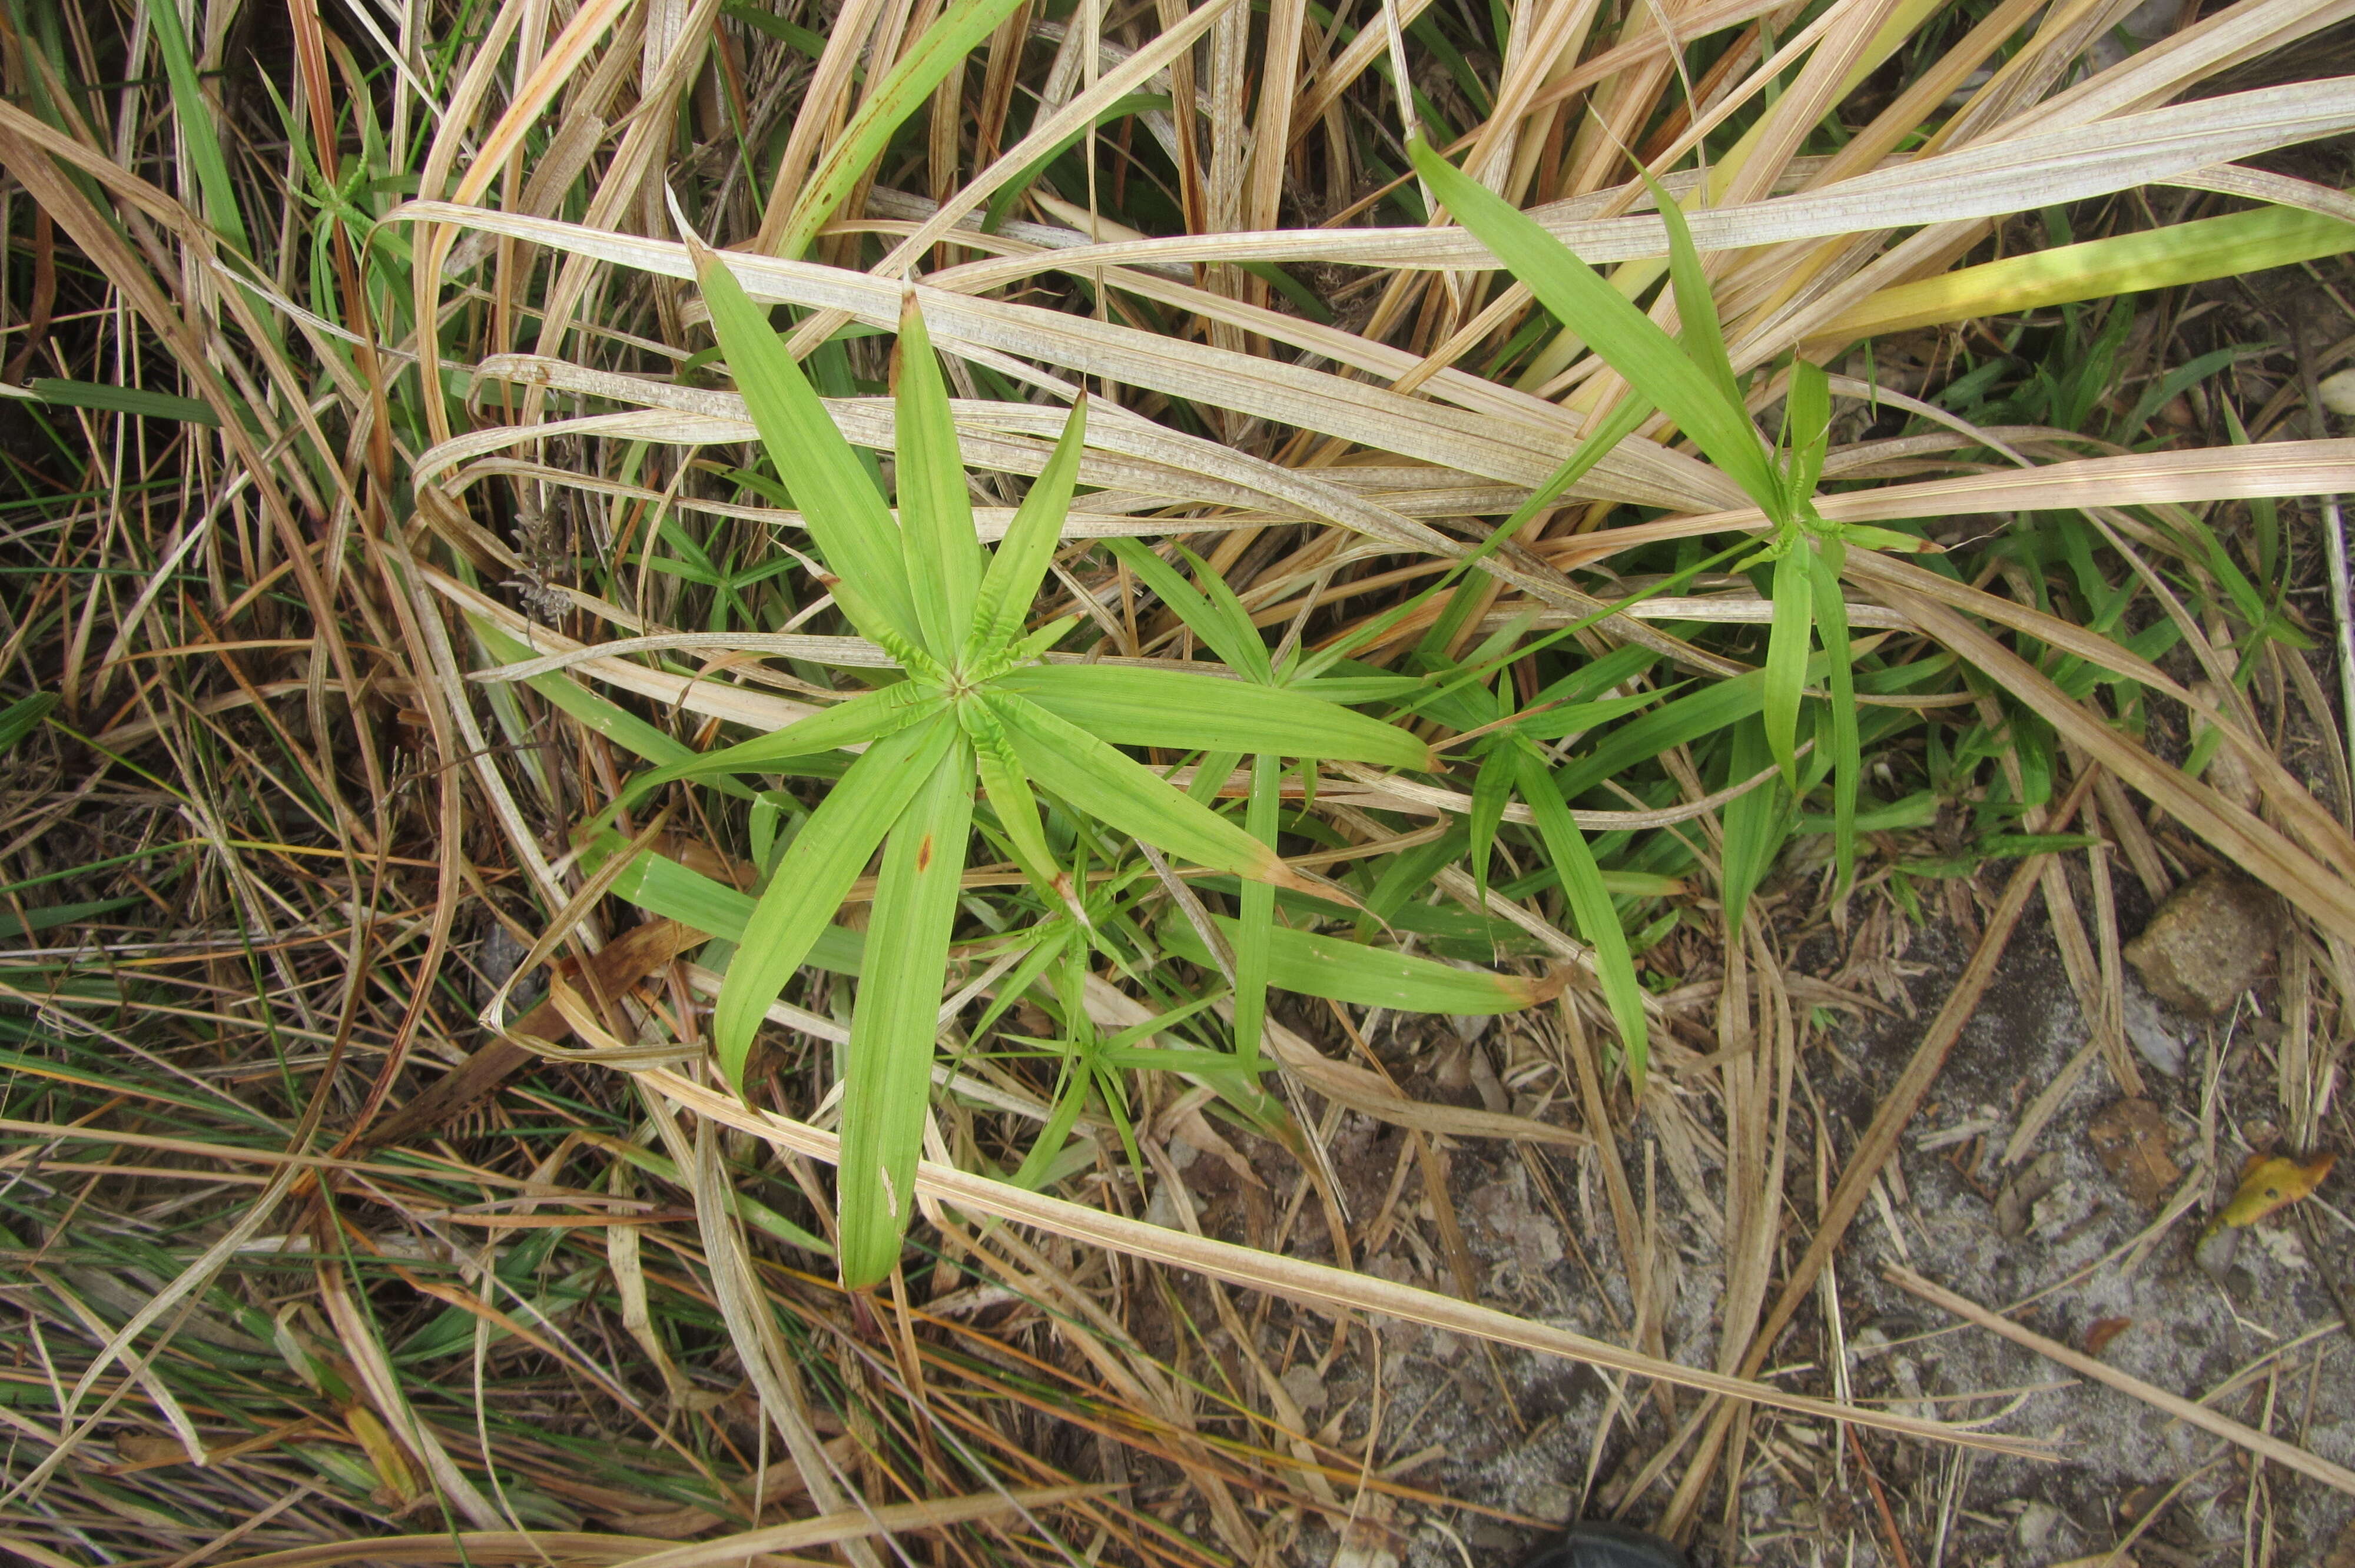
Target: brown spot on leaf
[924,855]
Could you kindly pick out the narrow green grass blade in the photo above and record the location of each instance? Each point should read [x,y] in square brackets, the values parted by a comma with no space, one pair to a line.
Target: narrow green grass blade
[1070,1099]
[617,724]
[1133,706]
[1809,420]
[1553,724]
[1252,938]
[1703,336]
[1754,824]
[1592,448]
[1492,787]
[1020,563]
[1129,797]
[758,1215]
[817,870]
[1625,337]
[1786,651]
[1589,901]
[112,400]
[196,120]
[1315,965]
[2164,257]
[902,91]
[1211,773]
[1848,762]
[937,541]
[840,504]
[890,1078]
[23,717]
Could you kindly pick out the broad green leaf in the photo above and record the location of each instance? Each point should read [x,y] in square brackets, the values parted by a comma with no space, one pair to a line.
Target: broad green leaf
[1129,797]
[865,718]
[617,725]
[1133,706]
[1786,650]
[889,1081]
[1847,763]
[1589,901]
[1651,361]
[814,876]
[1703,337]
[851,155]
[1020,563]
[1217,617]
[1334,967]
[840,504]
[660,885]
[1808,417]
[936,537]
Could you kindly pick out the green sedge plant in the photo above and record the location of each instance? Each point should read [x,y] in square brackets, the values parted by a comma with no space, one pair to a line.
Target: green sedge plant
[1690,379]
[972,702]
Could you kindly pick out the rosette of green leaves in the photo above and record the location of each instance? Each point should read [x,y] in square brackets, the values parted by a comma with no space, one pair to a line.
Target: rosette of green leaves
[976,704]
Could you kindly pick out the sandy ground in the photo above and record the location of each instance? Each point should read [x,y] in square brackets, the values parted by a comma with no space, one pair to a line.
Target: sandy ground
[1547,1441]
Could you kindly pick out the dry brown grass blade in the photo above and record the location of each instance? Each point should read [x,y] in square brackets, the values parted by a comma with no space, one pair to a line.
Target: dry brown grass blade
[641,1552]
[1984,180]
[1873,1147]
[2262,1444]
[1313,1285]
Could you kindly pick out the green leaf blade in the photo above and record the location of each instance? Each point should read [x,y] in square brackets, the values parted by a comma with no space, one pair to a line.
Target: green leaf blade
[1651,361]
[1589,901]
[1129,797]
[892,1029]
[1848,762]
[1020,564]
[844,514]
[1312,964]
[937,540]
[1787,652]
[865,718]
[1132,707]
[814,874]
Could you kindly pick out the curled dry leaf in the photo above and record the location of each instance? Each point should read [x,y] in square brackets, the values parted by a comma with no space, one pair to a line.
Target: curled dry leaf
[2104,1330]
[2269,1182]
[2131,1140]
